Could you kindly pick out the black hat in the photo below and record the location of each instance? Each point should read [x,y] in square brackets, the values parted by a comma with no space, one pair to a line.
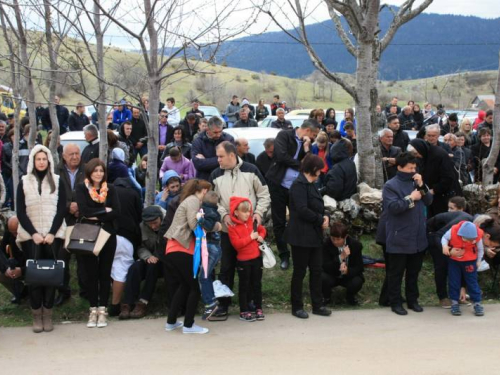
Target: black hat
[453,117]
[10,115]
[151,213]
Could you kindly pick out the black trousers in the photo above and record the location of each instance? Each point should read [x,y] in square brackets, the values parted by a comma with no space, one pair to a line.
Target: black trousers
[399,264]
[227,267]
[304,258]
[42,295]
[67,256]
[139,271]
[440,266]
[97,272]
[250,283]
[384,292]
[180,267]
[352,285]
[279,203]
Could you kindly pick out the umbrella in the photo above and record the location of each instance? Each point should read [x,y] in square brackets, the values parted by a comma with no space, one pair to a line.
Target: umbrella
[199,233]
[204,253]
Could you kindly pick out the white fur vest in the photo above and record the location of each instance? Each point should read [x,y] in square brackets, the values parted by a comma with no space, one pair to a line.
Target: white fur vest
[41,209]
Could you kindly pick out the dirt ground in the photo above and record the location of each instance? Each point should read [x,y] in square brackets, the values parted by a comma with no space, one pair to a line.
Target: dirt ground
[349,342]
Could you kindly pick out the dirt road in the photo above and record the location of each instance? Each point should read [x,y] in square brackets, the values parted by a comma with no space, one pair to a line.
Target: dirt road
[348,342]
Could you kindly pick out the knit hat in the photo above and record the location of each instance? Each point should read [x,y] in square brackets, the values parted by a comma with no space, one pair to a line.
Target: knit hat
[151,213]
[245,102]
[118,153]
[468,230]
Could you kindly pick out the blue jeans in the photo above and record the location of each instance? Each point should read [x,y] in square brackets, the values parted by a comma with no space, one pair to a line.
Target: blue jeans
[206,284]
[468,271]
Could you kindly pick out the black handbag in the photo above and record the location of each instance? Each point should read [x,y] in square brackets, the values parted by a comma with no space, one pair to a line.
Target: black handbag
[86,239]
[44,272]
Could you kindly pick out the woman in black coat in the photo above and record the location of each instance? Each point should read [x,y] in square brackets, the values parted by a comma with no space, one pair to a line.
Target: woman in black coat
[305,234]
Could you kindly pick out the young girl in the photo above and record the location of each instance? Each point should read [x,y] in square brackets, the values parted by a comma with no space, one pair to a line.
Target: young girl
[322,148]
[245,240]
[464,245]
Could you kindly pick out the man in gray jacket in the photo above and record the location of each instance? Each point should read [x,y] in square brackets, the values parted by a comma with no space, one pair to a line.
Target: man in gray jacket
[232,110]
[147,267]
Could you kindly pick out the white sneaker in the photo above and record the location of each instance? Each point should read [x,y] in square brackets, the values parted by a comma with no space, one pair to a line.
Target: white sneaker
[171,327]
[195,329]
[92,323]
[101,317]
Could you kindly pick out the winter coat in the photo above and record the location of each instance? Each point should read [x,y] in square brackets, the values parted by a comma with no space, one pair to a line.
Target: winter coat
[250,123]
[315,151]
[341,180]
[91,151]
[261,113]
[389,170]
[184,221]
[405,230]
[211,217]
[62,114]
[401,139]
[69,192]
[190,130]
[231,111]
[38,209]
[206,146]
[77,122]
[127,142]
[119,117]
[151,241]
[184,168]
[418,117]
[249,158]
[130,211]
[304,228]
[285,124]
[406,122]
[139,131]
[285,147]
[341,128]
[479,152]
[185,150]
[239,234]
[244,180]
[263,162]
[331,261]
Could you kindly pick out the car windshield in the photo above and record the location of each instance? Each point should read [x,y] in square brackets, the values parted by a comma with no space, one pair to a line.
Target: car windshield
[80,143]
[210,111]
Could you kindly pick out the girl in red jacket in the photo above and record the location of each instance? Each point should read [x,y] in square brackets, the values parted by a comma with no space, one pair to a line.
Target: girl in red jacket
[245,240]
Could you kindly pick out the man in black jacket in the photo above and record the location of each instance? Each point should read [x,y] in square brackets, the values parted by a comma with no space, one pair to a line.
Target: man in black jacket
[191,125]
[195,110]
[71,174]
[139,136]
[245,121]
[342,264]
[341,180]
[77,119]
[62,116]
[389,154]
[243,150]
[290,147]
[92,150]
[265,158]
[401,138]
[280,122]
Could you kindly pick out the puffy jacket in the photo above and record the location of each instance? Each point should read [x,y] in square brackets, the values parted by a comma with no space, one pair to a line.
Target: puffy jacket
[76,122]
[119,117]
[239,234]
[206,146]
[244,180]
[470,248]
[341,180]
[250,123]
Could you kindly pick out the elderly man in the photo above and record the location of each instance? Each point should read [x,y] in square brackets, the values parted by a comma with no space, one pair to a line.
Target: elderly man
[265,158]
[203,149]
[71,173]
[147,268]
[432,133]
[401,138]
[139,136]
[389,154]
[90,152]
[406,120]
[77,119]
[243,150]
[245,121]
[12,262]
[234,177]
[280,122]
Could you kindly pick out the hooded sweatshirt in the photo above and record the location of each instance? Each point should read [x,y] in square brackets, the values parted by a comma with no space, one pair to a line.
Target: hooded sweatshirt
[167,176]
[117,167]
[239,234]
[341,180]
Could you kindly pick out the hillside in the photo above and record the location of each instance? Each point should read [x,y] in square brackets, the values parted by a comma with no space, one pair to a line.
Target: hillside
[427,46]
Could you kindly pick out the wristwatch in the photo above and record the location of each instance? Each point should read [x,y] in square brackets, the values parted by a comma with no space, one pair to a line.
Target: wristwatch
[411,203]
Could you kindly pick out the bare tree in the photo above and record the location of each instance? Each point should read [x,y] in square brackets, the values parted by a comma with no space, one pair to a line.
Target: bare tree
[489,163]
[292,93]
[362,40]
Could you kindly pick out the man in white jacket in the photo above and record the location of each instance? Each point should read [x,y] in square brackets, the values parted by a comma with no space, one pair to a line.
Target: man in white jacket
[174,115]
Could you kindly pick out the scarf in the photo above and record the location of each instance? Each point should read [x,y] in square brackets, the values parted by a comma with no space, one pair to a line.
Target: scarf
[97,197]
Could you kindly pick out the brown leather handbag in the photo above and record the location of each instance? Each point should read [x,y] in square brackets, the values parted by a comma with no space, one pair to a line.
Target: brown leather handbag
[86,239]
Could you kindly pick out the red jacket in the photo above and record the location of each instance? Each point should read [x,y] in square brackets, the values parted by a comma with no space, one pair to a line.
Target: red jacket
[239,234]
[459,243]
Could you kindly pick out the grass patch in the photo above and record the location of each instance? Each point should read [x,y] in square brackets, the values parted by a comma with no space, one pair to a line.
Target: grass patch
[276,293]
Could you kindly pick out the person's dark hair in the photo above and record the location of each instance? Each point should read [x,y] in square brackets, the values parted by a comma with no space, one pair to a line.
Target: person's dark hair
[24,121]
[489,112]
[348,126]
[191,116]
[492,228]
[328,111]
[484,131]
[193,186]
[195,101]
[391,118]
[460,134]
[311,114]
[460,202]
[215,122]
[348,145]
[335,135]
[171,99]
[453,117]
[338,230]
[183,132]
[26,129]
[112,139]
[92,165]
[405,158]
[10,133]
[50,178]
[277,96]
[310,124]
[174,152]
[126,123]
[311,164]
[268,143]
[228,147]
[351,111]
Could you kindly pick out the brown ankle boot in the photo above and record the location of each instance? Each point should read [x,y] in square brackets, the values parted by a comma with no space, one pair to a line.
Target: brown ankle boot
[139,311]
[125,312]
[37,320]
[47,320]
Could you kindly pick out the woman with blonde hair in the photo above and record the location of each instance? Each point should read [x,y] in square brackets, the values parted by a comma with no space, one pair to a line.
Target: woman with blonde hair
[466,128]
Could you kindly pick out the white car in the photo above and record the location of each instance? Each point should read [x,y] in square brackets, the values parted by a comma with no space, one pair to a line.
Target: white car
[255,137]
[76,137]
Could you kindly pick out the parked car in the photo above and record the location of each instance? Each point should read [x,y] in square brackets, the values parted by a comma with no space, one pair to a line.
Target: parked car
[255,136]
[76,137]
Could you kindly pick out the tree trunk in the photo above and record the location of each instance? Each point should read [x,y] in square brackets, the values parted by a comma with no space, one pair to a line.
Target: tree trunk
[101,100]
[364,76]
[489,164]
[52,88]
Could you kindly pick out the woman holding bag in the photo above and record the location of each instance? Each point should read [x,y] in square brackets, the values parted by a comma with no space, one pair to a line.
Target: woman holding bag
[41,206]
[98,204]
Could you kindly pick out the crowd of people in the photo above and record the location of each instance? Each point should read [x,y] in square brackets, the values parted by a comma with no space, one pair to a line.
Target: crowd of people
[213,190]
